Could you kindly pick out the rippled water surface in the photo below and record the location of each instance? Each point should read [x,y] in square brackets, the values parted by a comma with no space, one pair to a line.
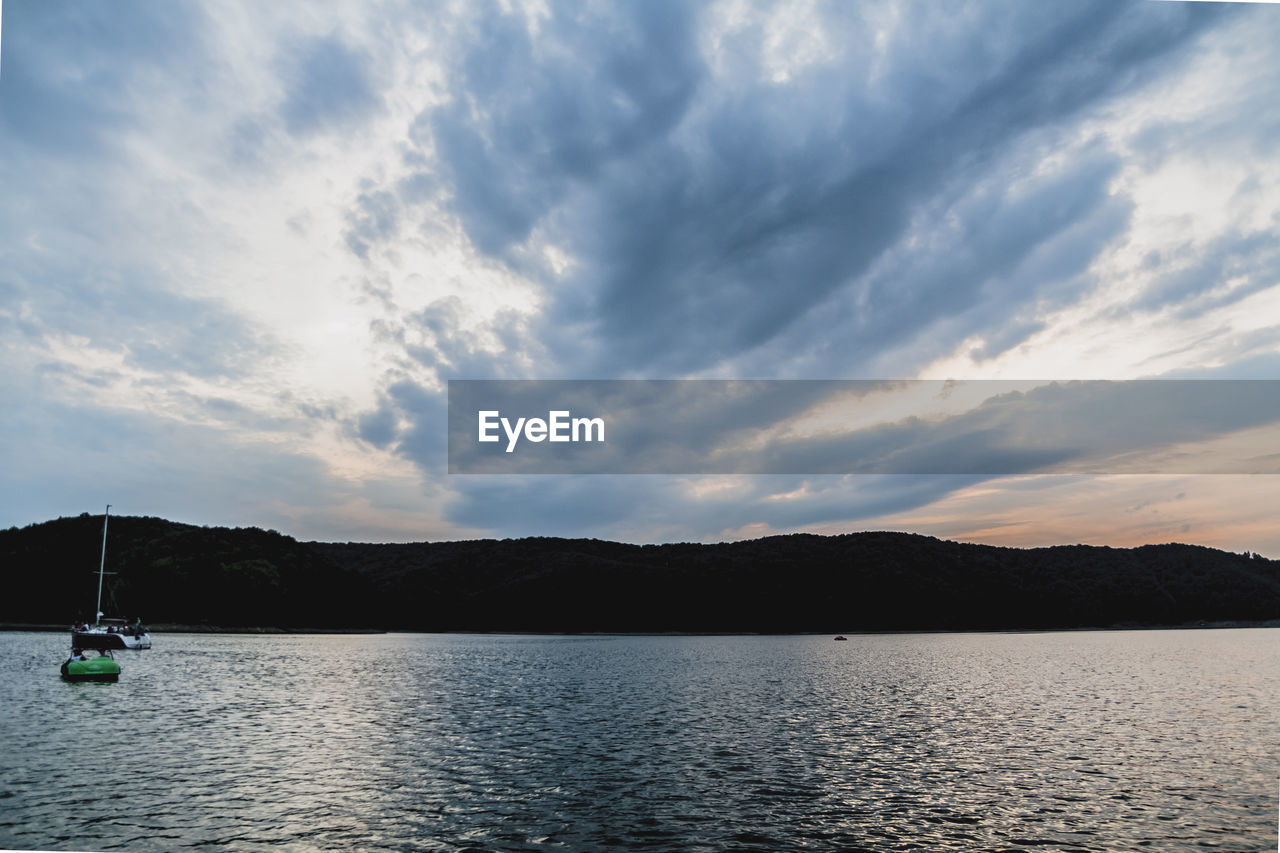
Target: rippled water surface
[1168,740]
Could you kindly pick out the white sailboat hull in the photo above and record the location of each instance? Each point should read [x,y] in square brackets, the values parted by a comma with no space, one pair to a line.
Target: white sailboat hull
[101,639]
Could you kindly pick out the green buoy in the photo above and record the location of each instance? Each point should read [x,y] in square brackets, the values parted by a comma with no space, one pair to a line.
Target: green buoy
[81,667]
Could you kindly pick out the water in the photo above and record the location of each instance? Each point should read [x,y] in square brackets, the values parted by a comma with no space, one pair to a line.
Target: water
[1168,740]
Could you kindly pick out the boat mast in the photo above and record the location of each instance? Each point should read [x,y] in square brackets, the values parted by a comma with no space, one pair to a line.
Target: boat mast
[102,564]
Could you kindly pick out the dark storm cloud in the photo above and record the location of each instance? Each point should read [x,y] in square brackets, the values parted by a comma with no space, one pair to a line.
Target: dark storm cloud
[742,225]
[711,220]
[696,285]
[994,261]
[530,117]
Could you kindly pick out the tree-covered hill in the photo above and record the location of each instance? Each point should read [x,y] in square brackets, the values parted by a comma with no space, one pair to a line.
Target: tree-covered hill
[169,572]
[860,581]
[177,573]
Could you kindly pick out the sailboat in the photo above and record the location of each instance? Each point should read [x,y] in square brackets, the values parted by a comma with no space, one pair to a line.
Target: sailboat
[109,633]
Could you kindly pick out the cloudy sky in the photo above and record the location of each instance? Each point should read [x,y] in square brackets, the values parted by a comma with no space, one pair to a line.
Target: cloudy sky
[244,246]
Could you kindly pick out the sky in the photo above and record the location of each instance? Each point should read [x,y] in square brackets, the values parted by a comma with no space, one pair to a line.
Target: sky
[245,246]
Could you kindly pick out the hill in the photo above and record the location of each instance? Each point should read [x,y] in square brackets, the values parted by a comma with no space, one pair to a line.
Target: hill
[858,581]
[178,573]
[169,572]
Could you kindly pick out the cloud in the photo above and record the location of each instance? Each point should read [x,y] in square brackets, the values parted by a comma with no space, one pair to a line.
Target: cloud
[444,342]
[1060,427]
[378,427]
[375,219]
[529,118]
[329,86]
[265,222]
[1225,511]
[657,508]
[75,457]
[199,337]
[73,74]
[152,326]
[1126,425]
[1264,365]
[817,226]
[1232,267]
[707,223]
[995,260]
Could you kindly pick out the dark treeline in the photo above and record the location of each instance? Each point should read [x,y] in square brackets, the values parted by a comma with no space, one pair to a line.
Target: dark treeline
[175,573]
[168,572]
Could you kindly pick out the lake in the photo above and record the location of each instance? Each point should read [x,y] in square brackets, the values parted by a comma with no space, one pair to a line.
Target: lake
[1167,740]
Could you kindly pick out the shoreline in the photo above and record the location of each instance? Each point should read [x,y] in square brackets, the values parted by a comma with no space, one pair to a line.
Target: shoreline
[174,628]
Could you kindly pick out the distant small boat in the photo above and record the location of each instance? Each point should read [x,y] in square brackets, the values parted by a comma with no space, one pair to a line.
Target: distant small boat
[842,637]
[79,667]
[109,633]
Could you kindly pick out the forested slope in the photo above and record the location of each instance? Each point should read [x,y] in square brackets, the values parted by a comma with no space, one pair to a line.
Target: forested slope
[176,573]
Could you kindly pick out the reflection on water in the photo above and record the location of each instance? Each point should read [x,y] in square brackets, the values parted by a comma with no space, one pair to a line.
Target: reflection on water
[1068,741]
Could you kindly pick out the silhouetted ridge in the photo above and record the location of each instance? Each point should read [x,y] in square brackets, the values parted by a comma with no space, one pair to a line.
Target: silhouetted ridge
[802,582]
[172,572]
